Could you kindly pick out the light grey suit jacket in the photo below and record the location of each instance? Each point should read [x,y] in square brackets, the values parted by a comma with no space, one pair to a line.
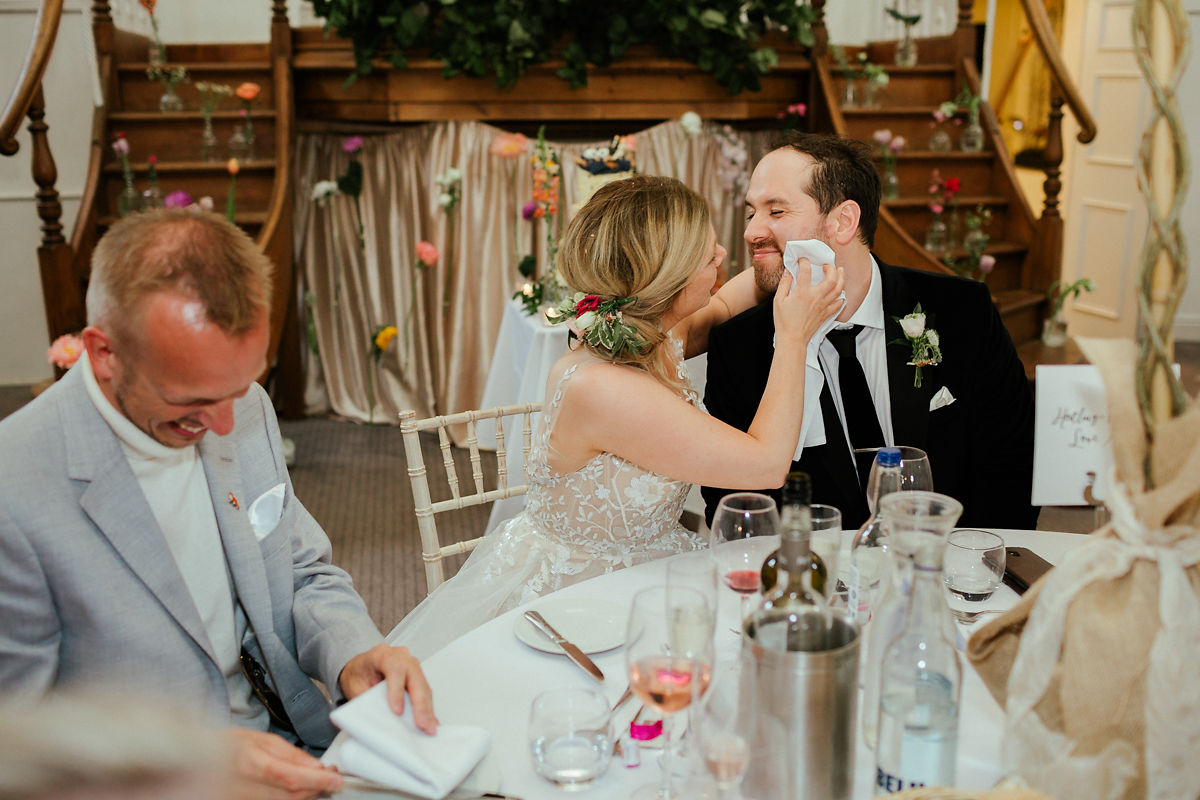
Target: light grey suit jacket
[90,593]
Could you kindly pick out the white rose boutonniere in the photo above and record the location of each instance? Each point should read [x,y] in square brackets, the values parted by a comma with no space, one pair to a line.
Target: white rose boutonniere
[925,342]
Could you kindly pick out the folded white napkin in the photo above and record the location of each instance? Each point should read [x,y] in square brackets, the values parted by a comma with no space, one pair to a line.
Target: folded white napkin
[812,428]
[392,751]
[942,398]
[265,512]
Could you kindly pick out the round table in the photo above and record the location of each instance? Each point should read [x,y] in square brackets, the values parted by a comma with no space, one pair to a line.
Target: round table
[489,678]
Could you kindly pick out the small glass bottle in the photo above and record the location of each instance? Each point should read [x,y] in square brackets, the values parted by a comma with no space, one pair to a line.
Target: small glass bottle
[920,690]
[794,512]
[891,185]
[869,544]
[152,197]
[786,620]
[940,142]
[971,138]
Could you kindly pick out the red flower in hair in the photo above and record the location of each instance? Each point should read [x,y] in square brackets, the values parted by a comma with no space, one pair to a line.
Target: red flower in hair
[589,303]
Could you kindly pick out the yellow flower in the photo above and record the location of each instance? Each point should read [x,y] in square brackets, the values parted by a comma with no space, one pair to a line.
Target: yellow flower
[384,337]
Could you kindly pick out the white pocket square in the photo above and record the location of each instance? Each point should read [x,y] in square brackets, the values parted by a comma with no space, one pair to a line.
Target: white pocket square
[942,398]
[265,512]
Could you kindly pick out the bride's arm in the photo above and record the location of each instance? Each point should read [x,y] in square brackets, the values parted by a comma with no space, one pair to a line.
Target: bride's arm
[618,410]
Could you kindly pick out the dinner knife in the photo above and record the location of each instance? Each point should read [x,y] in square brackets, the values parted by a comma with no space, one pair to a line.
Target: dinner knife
[572,651]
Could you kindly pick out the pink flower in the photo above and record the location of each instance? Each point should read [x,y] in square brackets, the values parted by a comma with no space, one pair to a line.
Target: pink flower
[936,208]
[938,116]
[427,254]
[177,199]
[120,145]
[882,136]
[152,160]
[630,143]
[897,144]
[530,209]
[65,351]
[509,145]
[352,144]
[799,109]
[987,263]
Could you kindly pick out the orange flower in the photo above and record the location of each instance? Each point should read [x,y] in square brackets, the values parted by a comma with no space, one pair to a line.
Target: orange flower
[247,91]
[148,5]
[232,166]
[509,145]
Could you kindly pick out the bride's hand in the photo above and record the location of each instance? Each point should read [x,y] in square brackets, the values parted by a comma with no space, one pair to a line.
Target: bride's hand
[800,313]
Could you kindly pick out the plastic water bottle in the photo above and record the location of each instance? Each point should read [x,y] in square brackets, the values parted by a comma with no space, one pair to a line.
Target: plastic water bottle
[869,545]
[919,689]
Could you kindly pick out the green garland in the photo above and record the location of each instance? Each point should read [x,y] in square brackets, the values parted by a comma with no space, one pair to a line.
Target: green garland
[506,37]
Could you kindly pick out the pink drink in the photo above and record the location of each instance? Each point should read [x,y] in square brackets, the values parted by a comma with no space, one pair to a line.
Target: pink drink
[666,683]
[742,581]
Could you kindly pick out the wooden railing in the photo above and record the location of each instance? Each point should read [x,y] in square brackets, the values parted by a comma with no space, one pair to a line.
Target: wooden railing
[30,79]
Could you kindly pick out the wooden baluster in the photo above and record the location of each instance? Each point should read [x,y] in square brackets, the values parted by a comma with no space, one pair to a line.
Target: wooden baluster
[820,32]
[1045,264]
[964,33]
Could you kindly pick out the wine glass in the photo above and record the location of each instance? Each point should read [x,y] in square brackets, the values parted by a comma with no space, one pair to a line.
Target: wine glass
[697,571]
[669,655]
[915,473]
[745,529]
[726,722]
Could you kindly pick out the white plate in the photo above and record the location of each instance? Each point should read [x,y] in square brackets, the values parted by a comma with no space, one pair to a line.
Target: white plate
[592,625]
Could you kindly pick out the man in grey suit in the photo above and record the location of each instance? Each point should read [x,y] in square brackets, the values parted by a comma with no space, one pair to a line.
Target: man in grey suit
[137,550]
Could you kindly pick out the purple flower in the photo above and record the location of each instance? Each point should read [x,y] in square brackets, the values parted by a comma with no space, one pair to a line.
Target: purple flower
[352,144]
[529,211]
[177,199]
[987,263]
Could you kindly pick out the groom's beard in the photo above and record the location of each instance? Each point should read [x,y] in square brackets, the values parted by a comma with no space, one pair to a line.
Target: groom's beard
[768,271]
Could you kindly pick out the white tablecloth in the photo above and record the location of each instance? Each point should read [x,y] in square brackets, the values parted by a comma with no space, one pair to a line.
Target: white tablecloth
[526,349]
[489,678]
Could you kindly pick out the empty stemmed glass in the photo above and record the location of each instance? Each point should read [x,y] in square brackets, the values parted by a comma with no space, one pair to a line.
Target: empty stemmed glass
[745,529]
[669,655]
[915,473]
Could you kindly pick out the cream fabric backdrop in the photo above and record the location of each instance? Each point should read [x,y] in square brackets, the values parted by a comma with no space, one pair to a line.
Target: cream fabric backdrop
[439,361]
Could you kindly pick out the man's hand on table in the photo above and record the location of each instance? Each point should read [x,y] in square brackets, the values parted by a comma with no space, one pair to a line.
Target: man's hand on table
[267,766]
[402,673]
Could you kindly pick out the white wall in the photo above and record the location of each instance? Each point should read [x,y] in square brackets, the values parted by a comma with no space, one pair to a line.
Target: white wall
[1187,321]
[68,88]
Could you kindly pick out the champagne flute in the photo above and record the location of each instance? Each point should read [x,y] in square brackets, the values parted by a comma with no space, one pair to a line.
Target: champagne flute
[669,655]
[726,723]
[745,529]
[697,570]
[915,473]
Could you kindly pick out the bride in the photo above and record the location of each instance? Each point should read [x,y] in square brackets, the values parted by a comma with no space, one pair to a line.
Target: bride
[622,437]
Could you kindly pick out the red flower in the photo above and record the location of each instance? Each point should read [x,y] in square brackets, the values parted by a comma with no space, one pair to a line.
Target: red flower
[953,185]
[588,303]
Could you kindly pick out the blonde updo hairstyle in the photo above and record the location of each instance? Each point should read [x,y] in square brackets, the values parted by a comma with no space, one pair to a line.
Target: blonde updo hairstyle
[640,237]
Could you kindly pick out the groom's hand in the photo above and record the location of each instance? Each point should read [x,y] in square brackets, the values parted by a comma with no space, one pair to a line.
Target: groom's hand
[403,674]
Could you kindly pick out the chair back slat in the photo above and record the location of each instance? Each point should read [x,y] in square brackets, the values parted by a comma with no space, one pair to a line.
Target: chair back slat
[432,551]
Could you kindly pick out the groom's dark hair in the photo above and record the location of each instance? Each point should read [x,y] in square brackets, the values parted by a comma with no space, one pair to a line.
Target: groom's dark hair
[845,170]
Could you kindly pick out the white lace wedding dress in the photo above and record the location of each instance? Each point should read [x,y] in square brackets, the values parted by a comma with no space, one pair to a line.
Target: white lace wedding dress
[607,515]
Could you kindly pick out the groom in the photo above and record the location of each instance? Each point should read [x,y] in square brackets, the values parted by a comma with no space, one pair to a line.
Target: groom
[972,413]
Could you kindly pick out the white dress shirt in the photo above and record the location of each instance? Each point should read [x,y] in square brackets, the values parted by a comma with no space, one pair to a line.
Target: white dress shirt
[872,354]
[173,482]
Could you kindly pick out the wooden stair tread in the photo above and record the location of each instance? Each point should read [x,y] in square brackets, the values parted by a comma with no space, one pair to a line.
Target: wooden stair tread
[185,116]
[1009,300]
[891,111]
[922,200]
[201,66]
[994,247]
[140,168]
[942,155]
[240,218]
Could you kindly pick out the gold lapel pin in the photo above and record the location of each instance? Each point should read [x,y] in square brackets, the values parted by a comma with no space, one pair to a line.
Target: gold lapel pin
[233,501]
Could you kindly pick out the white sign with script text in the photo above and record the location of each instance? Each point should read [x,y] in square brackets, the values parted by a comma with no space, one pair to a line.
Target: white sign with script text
[1072,451]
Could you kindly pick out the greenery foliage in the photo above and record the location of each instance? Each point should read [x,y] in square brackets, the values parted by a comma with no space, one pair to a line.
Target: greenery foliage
[502,38]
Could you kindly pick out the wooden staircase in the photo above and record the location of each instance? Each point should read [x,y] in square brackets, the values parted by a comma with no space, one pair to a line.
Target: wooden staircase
[906,107]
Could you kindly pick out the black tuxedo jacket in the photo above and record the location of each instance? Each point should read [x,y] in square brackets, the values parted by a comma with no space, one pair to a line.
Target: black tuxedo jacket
[980,446]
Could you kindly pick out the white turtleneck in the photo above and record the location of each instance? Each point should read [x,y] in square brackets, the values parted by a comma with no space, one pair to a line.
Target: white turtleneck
[173,482]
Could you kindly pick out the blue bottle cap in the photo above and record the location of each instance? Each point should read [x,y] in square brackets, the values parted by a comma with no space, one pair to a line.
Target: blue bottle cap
[888,457]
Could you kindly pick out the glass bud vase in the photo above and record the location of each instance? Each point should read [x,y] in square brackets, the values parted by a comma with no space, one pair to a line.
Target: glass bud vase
[975,240]
[239,148]
[971,140]
[940,142]
[936,238]
[850,93]
[152,197]
[1054,331]
[870,98]
[170,101]
[208,142]
[129,201]
[953,230]
[158,54]
[891,184]
[906,51]
[251,140]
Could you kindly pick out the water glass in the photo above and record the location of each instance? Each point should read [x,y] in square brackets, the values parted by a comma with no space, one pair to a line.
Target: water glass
[827,542]
[570,736]
[974,564]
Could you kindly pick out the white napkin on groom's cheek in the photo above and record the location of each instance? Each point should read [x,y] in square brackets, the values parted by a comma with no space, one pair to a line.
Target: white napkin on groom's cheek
[812,426]
[391,750]
[265,512]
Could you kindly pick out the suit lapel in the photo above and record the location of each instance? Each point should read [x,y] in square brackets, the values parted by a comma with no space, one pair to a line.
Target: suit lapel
[237,537]
[910,405]
[114,502]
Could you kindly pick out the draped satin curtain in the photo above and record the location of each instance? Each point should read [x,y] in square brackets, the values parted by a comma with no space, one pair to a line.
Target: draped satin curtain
[448,317]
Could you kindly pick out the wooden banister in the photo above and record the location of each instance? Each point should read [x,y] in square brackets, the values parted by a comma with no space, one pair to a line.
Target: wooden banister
[1043,35]
[30,79]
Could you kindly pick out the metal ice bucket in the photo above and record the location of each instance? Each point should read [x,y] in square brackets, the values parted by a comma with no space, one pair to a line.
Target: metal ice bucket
[807,700]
